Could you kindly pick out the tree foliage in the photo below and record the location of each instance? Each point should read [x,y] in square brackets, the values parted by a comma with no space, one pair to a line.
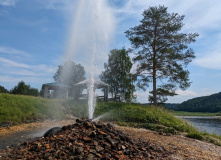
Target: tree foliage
[210,103]
[161,52]
[24,89]
[117,74]
[3,90]
[70,74]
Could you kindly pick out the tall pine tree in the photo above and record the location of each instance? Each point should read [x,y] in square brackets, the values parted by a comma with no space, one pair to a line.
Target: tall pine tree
[161,52]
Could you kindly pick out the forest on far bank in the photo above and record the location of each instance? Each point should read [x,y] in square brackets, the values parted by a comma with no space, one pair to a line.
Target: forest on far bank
[211,103]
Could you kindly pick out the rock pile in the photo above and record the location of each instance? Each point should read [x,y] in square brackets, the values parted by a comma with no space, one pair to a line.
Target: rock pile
[86,140]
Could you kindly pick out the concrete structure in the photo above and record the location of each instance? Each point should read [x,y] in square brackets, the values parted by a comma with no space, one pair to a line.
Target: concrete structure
[59,90]
[97,85]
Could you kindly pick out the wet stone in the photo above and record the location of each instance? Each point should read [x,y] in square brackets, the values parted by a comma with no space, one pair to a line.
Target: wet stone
[95,143]
[99,148]
[86,140]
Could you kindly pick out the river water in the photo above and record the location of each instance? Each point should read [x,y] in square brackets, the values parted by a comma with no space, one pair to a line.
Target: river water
[208,124]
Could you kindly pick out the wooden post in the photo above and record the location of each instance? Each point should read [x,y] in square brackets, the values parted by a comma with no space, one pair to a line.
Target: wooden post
[46,92]
[105,94]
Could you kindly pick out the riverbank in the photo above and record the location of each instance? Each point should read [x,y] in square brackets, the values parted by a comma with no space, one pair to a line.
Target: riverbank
[178,146]
[198,114]
[205,117]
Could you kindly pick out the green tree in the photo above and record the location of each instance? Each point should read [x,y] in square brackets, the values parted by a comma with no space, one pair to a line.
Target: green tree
[117,75]
[24,89]
[161,52]
[3,90]
[70,74]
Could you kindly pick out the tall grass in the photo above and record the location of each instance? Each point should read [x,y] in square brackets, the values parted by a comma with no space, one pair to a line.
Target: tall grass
[19,108]
[150,117]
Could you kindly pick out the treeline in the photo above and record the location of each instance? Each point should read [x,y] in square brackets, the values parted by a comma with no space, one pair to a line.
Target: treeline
[171,106]
[22,89]
[210,103]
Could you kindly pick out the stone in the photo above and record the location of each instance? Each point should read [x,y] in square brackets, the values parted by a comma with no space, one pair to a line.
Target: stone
[52,131]
[99,148]
[86,140]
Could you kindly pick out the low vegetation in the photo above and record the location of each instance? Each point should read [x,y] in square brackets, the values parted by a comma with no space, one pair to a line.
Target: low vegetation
[135,115]
[201,114]
[23,109]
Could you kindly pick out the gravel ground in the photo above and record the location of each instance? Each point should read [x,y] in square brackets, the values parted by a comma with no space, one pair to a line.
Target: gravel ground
[179,147]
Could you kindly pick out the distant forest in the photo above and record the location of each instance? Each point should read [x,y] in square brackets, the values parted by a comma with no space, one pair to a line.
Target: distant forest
[210,103]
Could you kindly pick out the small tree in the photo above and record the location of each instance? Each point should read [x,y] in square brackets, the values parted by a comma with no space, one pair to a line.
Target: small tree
[117,75]
[70,74]
[161,52]
[3,90]
[24,89]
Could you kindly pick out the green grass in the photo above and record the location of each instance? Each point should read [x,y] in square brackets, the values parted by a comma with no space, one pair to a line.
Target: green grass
[149,117]
[20,109]
[201,114]
[77,108]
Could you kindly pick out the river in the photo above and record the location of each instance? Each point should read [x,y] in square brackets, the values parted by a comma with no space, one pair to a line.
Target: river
[208,124]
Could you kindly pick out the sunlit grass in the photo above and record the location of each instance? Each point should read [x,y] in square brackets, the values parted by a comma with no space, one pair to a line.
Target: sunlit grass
[201,114]
[150,117]
[20,108]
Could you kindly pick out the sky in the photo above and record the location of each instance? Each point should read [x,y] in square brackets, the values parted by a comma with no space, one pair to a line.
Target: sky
[37,36]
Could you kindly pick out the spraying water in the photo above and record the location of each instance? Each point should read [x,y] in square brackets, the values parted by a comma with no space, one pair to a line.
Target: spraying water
[100,117]
[90,33]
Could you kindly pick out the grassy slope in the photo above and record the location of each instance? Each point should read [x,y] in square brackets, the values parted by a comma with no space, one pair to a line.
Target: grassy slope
[19,108]
[155,118]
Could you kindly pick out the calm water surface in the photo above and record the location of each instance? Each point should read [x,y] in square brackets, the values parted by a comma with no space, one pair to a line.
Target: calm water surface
[208,124]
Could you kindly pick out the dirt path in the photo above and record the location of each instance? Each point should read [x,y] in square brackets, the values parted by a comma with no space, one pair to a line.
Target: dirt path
[179,147]
[15,135]
[34,126]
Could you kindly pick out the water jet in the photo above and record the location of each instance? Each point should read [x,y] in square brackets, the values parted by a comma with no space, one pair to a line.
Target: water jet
[90,33]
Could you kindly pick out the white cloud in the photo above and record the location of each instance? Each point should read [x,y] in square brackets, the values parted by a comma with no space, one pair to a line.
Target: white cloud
[199,12]
[9,50]
[7,2]
[18,71]
[210,56]
[12,72]
[142,97]
[186,93]
[13,79]
[11,63]
[201,16]
[209,60]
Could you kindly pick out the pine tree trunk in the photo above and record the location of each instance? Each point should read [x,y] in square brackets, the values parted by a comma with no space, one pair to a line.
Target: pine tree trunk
[154,88]
[154,71]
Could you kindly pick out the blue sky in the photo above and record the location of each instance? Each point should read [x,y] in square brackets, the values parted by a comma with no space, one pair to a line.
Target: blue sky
[35,37]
